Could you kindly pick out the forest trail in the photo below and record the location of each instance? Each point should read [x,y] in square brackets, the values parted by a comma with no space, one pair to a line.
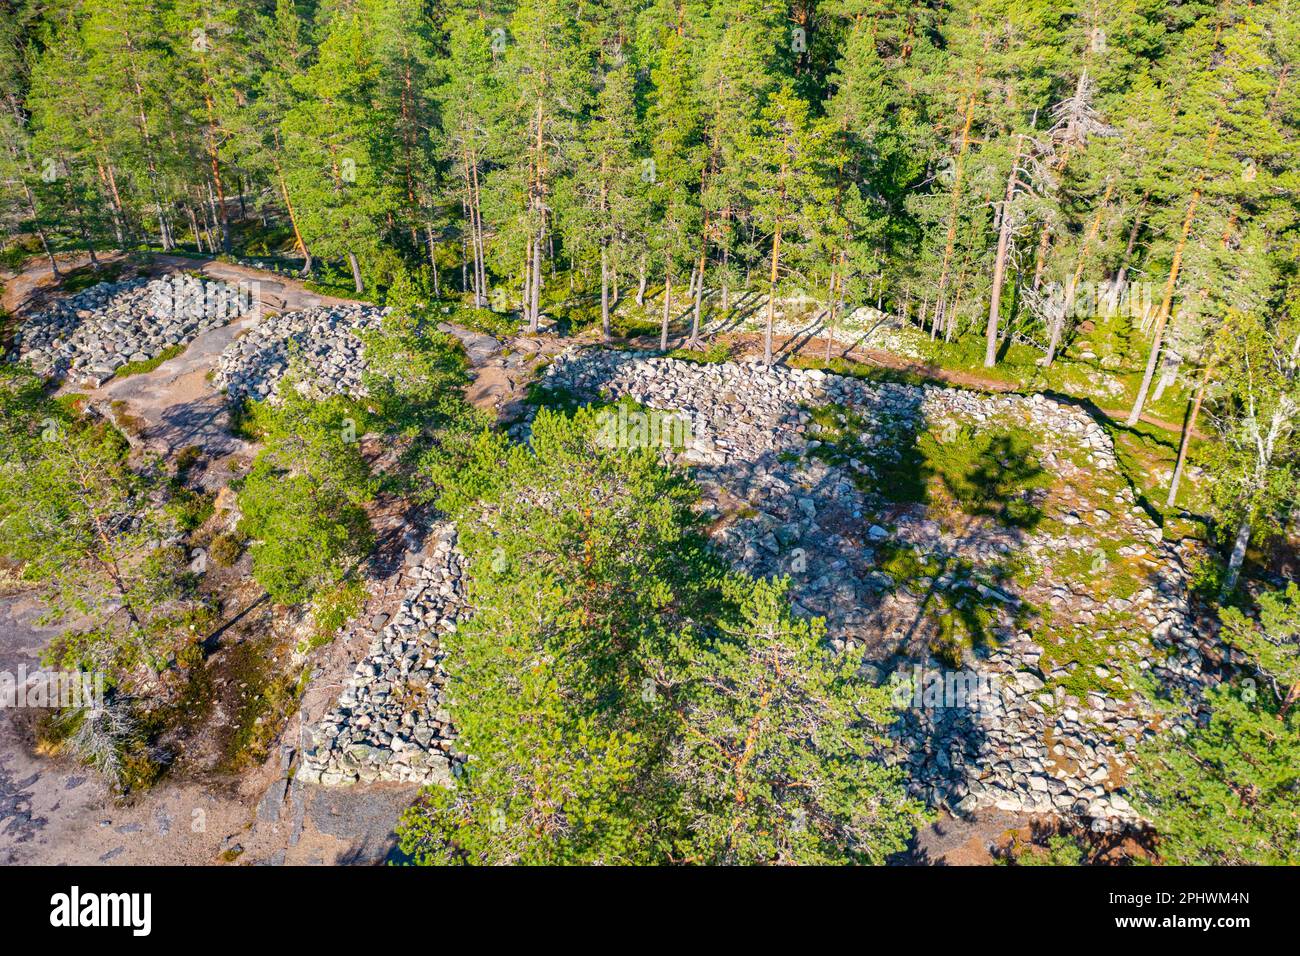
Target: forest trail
[804,345]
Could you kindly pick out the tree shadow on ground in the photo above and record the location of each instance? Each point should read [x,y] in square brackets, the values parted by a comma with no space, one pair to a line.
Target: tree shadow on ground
[996,480]
[1094,411]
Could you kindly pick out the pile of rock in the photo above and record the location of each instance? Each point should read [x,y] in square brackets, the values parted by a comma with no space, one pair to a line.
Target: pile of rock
[324,340]
[789,512]
[389,723]
[96,332]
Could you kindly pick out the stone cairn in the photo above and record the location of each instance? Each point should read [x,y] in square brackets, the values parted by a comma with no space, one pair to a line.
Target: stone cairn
[1027,747]
[390,723]
[96,332]
[326,340]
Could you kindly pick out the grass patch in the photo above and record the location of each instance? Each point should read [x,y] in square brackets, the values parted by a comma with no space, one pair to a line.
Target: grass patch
[189,508]
[331,610]
[629,326]
[8,326]
[964,603]
[715,354]
[498,325]
[148,365]
[17,251]
[557,398]
[85,277]
[993,472]
[266,699]
[226,548]
[1106,572]
[339,289]
[861,370]
[892,470]
[125,422]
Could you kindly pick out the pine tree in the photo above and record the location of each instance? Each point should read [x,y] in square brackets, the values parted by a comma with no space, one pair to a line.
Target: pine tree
[786,183]
[673,167]
[468,102]
[607,175]
[778,761]
[546,65]
[335,143]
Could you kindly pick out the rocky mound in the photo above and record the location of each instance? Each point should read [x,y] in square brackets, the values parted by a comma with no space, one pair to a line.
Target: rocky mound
[389,723]
[1060,622]
[96,332]
[325,340]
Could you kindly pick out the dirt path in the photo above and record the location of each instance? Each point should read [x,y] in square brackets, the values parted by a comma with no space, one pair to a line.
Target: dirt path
[752,343]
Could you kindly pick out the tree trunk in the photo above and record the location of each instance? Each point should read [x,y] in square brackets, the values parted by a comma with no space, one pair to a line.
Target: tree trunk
[1122,274]
[356,273]
[1237,557]
[527,294]
[293,219]
[40,232]
[535,307]
[1058,326]
[1188,429]
[955,208]
[694,343]
[194,227]
[604,292]
[1162,317]
[668,305]
[433,260]
[1000,264]
[640,285]
[476,213]
[771,295]
[113,208]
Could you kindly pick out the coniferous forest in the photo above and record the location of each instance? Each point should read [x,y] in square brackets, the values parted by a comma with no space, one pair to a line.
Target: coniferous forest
[663,392]
[966,166]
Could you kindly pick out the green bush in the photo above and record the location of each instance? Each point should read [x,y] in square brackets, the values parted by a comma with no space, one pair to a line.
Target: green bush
[331,610]
[497,324]
[190,508]
[303,500]
[226,549]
